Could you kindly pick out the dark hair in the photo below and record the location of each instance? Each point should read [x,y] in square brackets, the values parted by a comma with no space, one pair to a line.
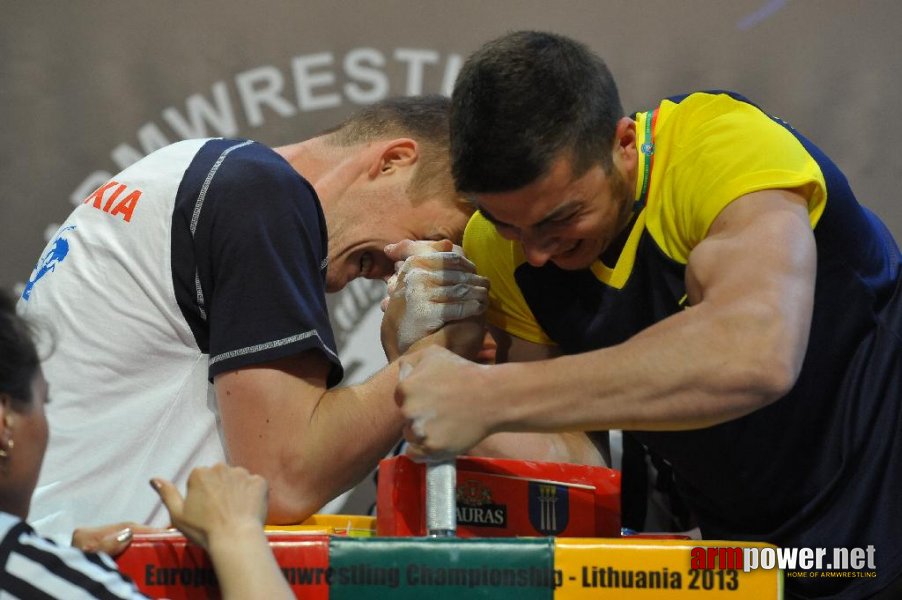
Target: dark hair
[19,360]
[523,99]
[422,118]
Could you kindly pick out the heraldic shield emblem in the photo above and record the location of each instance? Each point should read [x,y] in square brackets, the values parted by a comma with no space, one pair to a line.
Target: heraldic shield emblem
[549,507]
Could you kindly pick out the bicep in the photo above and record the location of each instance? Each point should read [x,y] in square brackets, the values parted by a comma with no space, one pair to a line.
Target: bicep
[761,242]
[758,262]
[265,407]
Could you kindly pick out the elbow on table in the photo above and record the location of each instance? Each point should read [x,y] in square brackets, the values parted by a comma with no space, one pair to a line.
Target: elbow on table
[292,504]
[289,511]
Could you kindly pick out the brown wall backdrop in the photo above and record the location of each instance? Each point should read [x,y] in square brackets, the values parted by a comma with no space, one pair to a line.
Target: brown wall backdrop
[87,87]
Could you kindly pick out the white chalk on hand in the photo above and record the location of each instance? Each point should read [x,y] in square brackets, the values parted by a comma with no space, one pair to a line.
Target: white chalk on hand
[404,370]
[436,296]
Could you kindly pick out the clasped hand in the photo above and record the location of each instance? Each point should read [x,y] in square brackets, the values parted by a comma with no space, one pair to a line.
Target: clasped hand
[433,285]
[442,399]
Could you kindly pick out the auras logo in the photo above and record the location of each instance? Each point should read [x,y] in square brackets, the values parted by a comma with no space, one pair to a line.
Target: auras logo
[475,507]
[55,254]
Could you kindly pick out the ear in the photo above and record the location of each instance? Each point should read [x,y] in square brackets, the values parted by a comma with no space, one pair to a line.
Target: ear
[393,155]
[6,410]
[625,149]
[5,418]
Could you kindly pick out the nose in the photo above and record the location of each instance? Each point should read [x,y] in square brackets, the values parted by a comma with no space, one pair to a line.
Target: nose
[538,249]
[535,256]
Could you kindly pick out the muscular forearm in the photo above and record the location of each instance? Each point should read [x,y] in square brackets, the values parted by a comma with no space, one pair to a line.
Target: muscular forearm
[689,371]
[351,429]
[335,446]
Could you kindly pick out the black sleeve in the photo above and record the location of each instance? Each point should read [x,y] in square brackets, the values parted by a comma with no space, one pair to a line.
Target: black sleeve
[259,243]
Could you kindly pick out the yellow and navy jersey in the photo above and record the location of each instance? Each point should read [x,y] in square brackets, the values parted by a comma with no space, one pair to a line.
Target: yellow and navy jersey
[706,150]
[709,149]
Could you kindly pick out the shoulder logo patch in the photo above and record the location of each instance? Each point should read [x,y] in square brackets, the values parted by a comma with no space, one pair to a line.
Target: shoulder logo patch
[59,249]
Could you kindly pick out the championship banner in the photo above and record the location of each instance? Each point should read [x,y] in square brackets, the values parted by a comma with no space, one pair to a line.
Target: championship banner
[325,567]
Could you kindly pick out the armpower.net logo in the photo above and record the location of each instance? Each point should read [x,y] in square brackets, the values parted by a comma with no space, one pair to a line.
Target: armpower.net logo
[795,562]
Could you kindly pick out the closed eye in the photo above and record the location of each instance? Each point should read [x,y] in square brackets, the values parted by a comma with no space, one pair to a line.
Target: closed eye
[560,221]
[366,264]
[507,231]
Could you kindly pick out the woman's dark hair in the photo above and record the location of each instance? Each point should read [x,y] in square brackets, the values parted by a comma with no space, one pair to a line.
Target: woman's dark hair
[19,361]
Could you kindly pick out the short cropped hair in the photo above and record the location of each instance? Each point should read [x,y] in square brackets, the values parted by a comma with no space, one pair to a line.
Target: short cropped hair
[19,361]
[425,119]
[521,101]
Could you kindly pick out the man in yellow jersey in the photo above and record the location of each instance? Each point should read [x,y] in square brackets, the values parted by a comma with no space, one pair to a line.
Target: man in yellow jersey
[699,275]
